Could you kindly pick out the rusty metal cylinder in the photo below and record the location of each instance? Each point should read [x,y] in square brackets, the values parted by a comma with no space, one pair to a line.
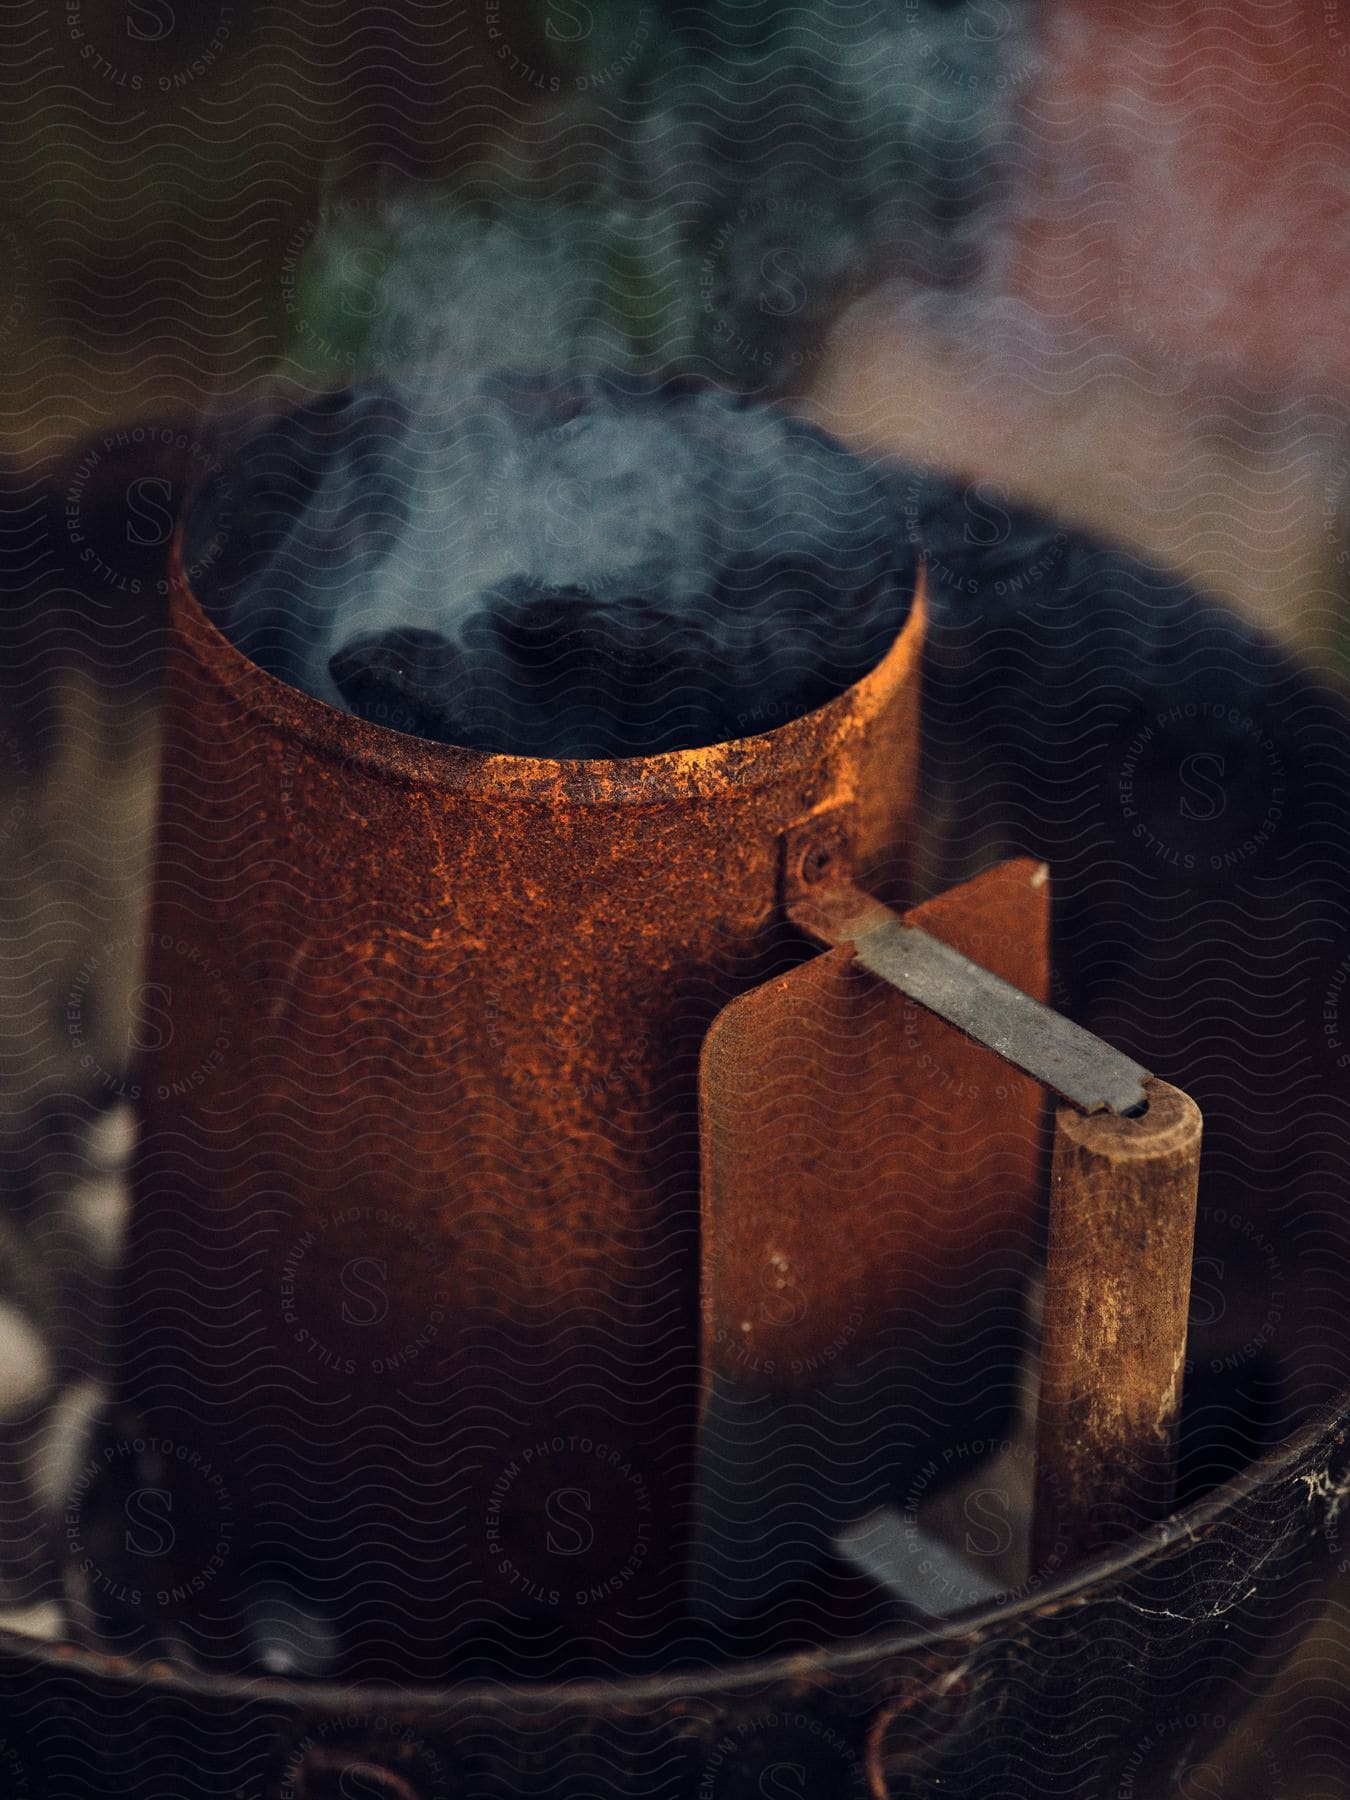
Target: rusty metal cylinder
[415,1238]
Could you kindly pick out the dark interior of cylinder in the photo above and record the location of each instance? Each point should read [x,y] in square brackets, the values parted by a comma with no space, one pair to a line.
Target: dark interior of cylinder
[690,619]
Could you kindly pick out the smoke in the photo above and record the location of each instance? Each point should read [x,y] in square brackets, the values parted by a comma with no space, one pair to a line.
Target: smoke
[578,557]
[566,568]
[711,211]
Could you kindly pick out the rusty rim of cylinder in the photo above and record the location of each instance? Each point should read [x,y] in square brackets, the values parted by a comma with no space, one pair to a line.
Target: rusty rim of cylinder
[709,770]
[668,775]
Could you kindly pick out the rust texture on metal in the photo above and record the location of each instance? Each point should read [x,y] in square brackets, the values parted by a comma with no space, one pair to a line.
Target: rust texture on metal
[1117,1290]
[869,1172]
[417,1191]
[881,1202]
[870,1190]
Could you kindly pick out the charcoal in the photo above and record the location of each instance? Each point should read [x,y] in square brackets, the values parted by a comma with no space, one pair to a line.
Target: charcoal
[406,680]
[557,674]
[571,567]
[588,678]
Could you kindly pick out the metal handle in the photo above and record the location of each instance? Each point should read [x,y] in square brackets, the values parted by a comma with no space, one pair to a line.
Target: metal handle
[1122,1222]
[1071,1062]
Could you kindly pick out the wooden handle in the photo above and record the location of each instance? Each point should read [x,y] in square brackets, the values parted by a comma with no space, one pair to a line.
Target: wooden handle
[1113,1347]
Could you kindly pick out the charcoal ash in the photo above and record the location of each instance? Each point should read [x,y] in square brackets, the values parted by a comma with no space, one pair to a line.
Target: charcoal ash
[572,567]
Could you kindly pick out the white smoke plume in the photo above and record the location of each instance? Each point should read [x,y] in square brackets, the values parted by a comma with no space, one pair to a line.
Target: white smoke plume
[675,559]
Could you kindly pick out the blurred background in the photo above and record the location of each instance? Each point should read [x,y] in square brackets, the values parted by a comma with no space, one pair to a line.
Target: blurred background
[1100,261]
[1145,326]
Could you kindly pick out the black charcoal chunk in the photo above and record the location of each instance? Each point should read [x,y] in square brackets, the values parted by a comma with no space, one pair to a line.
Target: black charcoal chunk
[582,567]
[556,674]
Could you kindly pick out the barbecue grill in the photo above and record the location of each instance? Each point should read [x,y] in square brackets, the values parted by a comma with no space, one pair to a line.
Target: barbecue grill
[595,1220]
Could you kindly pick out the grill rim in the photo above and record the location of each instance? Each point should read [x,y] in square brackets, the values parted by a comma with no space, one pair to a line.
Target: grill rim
[1093,1578]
